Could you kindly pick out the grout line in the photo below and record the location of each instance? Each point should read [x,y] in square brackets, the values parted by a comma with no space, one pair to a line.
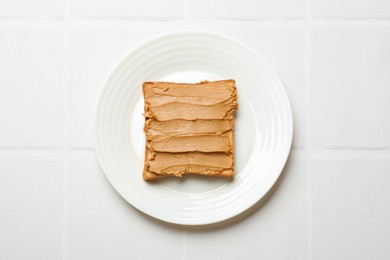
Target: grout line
[126,19]
[65,208]
[87,150]
[330,21]
[187,20]
[351,18]
[308,85]
[186,12]
[23,19]
[33,149]
[30,19]
[307,61]
[187,16]
[32,152]
[260,19]
[310,224]
[66,72]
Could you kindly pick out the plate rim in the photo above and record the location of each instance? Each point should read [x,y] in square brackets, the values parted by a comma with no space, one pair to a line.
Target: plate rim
[266,64]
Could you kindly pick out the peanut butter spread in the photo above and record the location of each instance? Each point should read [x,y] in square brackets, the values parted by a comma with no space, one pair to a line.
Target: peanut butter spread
[189,128]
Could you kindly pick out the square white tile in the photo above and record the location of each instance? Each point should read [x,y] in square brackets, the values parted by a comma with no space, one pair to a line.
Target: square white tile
[351,8]
[31,205]
[36,8]
[94,50]
[31,93]
[247,9]
[105,226]
[351,205]
[127,9]
[350,86]
[277,230]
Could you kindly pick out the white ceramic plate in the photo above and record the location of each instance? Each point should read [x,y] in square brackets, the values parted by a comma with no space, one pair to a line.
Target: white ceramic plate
[263,132]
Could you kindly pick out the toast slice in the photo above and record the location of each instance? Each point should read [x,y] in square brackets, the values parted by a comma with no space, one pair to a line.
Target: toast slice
[189,128]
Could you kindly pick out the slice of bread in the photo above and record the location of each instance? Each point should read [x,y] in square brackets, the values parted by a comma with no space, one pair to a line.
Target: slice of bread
[189,128]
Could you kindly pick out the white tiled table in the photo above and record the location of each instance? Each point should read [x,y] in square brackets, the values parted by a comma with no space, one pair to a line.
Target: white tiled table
[332,201]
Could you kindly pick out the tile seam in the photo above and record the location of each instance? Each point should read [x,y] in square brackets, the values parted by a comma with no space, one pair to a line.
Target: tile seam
[66,72]
[308,85]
